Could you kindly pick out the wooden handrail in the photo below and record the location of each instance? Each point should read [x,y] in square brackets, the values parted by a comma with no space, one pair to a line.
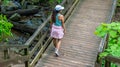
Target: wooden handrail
[15,45]
[104,41]
[37,45]
[109,19]
[112,59]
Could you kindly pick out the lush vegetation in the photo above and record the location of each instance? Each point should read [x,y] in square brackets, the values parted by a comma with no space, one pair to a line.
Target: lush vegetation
[118,4]
[5,28]
[113,30]
[52,1]
[37,1]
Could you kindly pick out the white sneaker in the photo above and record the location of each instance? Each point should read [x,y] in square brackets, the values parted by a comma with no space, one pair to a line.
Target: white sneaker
[56,54]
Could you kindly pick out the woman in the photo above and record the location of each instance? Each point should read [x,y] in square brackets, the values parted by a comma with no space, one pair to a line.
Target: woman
[57,28]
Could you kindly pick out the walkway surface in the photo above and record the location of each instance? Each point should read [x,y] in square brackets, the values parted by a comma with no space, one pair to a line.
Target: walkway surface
[79,46]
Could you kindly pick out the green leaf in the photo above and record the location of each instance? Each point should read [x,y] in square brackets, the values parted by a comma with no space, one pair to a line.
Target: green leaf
[5,27]
[119,31]
[113,34]
[101,55]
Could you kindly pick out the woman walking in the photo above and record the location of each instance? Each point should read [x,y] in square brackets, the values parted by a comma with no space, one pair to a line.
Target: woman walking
[57,28]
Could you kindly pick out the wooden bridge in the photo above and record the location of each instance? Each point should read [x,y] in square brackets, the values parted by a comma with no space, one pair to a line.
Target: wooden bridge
[79,46]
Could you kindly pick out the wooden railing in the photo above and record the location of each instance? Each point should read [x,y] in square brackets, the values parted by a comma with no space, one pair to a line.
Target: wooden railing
[40,40]
[110,59]
[104,42]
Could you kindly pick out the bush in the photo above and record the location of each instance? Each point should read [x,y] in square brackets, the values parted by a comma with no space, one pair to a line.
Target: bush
[118,3]
[113,46]
[5,28]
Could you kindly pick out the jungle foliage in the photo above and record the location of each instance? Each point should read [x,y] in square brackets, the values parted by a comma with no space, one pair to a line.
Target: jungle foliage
[5,28]
[118,4]
[113,46]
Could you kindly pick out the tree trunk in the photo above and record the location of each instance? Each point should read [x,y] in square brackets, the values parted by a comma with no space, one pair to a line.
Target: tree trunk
[22,12]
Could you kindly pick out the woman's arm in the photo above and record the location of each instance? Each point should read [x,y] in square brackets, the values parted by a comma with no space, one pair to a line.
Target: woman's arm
[63,23]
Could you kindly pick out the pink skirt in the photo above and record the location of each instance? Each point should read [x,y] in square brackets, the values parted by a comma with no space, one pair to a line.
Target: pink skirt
[57,32]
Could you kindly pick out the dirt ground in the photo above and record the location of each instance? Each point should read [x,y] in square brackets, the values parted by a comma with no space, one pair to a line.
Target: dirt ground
[117,14]
[10,62]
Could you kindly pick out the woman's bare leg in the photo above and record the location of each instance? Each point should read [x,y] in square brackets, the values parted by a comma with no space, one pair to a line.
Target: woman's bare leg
[58,44]
[54,42]
[57,47]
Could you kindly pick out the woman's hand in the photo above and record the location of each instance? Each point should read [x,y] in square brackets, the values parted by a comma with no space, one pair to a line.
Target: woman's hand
[64,31]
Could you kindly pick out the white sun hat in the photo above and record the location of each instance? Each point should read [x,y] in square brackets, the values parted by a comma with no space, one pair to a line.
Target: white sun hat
[59,7]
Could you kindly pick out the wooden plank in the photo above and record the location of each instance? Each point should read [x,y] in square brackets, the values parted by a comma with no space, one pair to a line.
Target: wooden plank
[12,46]
[71,9]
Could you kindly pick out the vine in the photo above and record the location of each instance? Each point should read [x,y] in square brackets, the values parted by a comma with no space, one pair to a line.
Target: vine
[5,28]
[113,30]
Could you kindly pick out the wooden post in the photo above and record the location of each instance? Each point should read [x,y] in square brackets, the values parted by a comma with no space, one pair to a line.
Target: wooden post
[27,61]
[100,62]
[107,39]
[6,53]
[107,63]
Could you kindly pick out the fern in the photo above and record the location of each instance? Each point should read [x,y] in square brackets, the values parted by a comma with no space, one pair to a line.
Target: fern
[5,28]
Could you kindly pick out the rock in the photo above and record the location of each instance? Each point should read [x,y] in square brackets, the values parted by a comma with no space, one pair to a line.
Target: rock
[32,6]
[29,22]
[21,22]
[13,5]
[15,17]
[3,8]
[23,12]
[24,27]
[10,8]
[37,15]
[36,22]
[17,4]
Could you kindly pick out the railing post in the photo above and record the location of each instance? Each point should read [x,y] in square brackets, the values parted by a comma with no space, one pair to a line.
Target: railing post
[107,63]
[107,38]
[26,61]
[100,62]
[6,53]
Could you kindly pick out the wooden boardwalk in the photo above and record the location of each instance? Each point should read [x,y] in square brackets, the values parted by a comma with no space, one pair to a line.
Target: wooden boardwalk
[79,46]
